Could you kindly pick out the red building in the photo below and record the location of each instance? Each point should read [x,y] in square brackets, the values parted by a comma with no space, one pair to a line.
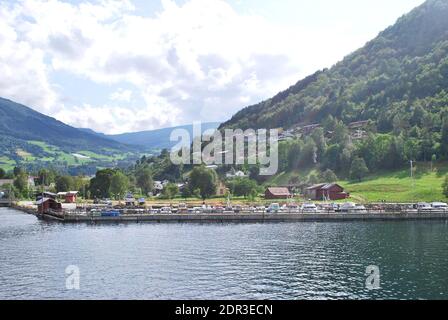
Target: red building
[46,204]
[326,191]
[68,197]
[277,193]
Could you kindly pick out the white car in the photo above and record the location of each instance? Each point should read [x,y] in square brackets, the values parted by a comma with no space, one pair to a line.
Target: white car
[165,210]
[360,209]
[348,207]
[197,210]
[424,207]
[260,209]
[309,208]
[439,206]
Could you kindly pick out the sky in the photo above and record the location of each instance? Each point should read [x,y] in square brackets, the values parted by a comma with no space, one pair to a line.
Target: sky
[131,65]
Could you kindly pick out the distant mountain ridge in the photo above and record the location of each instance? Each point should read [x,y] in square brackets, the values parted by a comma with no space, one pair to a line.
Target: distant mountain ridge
[32,140]
[20,122]
[159,138]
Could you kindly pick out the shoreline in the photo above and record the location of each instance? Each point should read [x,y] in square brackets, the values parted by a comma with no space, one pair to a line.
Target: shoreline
[238,217]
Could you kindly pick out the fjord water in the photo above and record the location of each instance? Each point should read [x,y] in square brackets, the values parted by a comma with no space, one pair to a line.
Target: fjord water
[222,261]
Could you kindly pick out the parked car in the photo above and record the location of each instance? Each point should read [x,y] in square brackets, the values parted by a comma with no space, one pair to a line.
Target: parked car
[424,207]
[165,210]
[237,209]
[197,210]
[360,209]
[182,208]
[309,208]
[439,206]
[347,207]
[260,209]
[218,210]
[273,208]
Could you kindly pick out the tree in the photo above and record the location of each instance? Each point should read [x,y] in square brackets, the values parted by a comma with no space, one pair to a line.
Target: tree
[444,139]
[46,177]
[119,185]
[21,183]
[358,169]
[2,173]
[445,187]
[243,187]
[186,192]
[64,183]
[100,185]
[328,176]
[144,180]
[203,180]
[17,171]
[170,191]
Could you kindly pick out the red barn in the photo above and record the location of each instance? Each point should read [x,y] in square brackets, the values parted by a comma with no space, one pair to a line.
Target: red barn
[277,193]
[69,197]
[46,204]
[326,191]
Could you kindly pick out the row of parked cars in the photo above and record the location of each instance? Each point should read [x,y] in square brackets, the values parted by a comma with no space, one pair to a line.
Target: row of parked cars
[430,207]
[274,208]
[348,207]
[271,209]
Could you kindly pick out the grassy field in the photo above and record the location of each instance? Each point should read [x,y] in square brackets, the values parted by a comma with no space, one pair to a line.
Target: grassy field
[54,154]
[394,186]
[399,187]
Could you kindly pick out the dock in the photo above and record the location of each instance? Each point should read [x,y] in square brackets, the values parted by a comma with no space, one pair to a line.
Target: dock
[248,217]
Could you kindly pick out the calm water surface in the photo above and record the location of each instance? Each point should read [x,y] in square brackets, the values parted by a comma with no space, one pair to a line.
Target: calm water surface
[216,261]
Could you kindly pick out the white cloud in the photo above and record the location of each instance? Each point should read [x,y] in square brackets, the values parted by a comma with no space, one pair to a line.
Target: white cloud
[199,61]
[121,95]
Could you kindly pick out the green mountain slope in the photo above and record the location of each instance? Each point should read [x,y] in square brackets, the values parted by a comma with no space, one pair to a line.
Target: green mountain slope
[33,140]
[20,122]
[404,68]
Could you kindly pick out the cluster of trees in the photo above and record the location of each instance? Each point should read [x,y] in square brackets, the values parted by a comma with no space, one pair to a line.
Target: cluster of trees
[332,147]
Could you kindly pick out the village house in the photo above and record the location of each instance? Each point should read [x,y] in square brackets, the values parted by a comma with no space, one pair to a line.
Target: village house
[235,174]
[46,204]
[68,197]
[275,193]
[326,191]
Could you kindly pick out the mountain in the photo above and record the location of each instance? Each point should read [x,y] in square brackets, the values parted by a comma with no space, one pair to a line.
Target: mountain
[157,139]
[20,122]
[31,139]
[405,68]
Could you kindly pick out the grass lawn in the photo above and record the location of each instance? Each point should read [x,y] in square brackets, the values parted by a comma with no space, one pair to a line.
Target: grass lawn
[399,187]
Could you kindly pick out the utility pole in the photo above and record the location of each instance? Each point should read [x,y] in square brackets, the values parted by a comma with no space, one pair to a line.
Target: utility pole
[412,173]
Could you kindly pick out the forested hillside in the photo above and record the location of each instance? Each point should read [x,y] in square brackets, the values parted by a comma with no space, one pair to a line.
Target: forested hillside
[398,81]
